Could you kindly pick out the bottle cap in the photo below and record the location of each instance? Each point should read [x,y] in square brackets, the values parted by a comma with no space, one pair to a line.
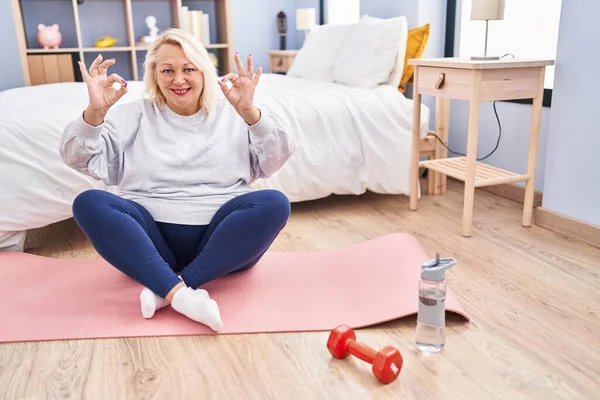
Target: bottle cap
[435,270]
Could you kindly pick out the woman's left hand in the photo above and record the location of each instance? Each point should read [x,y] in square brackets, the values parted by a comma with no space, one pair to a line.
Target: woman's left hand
[241,93]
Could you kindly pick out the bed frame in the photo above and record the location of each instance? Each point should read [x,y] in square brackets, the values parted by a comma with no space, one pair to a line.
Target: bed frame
[431,148]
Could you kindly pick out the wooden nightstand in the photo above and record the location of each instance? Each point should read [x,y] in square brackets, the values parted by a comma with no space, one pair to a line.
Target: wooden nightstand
[281,60]
[476,81]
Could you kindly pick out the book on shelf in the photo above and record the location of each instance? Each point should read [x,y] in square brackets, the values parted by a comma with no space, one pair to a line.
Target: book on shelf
[197,23]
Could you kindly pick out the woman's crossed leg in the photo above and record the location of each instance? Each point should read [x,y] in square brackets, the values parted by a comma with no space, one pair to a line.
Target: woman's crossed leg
[126,236]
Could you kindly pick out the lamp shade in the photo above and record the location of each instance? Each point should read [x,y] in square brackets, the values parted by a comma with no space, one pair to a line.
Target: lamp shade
[487,10]
[306,19]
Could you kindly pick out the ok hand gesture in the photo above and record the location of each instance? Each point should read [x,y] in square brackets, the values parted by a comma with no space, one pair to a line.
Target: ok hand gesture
[241,93]
[101,93]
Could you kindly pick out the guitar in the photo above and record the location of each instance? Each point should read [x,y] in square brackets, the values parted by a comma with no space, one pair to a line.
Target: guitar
[282,29]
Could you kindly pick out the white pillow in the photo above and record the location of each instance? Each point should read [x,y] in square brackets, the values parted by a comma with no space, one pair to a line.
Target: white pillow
[370,52]
[316,59]
[398,69]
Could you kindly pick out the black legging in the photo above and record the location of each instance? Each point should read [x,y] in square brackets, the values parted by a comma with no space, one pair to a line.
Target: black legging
[125,235]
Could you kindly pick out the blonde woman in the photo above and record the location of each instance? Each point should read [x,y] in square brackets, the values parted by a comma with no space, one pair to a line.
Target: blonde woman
[182,158]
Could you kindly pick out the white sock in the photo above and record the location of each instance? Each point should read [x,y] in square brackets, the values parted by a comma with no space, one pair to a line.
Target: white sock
[151,302]
[198,306]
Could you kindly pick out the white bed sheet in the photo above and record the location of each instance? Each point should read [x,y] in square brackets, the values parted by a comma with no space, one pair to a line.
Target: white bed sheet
[348,140]
[36,187]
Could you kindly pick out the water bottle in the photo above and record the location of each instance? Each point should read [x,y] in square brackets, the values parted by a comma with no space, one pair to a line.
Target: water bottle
[431,317]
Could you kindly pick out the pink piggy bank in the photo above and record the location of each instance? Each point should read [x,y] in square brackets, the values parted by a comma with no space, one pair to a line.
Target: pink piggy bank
[49,36]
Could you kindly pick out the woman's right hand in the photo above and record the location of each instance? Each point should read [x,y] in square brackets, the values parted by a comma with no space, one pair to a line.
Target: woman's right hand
[102,95]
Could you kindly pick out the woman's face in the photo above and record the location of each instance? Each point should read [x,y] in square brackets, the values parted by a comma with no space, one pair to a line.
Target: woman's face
[179,80]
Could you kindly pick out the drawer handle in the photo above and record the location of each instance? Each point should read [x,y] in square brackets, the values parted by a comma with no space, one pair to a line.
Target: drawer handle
[440,83]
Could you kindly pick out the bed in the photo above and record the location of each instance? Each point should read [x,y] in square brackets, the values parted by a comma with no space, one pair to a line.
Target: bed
[350,138]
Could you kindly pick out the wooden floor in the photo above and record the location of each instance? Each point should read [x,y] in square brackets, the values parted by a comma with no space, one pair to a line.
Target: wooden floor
[533,296]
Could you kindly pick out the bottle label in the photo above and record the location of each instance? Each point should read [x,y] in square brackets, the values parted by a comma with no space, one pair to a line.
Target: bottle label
[432,311]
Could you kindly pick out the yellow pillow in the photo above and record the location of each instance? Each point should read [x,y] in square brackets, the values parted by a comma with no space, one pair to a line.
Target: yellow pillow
[415,46]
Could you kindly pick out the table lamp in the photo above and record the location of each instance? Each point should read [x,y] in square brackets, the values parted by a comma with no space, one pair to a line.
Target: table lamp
[306,19]
[487,10]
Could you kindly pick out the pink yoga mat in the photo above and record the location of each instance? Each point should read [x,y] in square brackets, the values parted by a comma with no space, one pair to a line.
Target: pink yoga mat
[360,285]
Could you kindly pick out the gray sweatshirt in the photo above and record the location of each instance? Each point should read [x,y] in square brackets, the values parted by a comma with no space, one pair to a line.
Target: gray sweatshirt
[181,169]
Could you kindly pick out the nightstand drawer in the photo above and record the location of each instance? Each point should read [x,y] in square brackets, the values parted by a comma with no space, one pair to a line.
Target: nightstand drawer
[445,82]
[508,84]
[280,63]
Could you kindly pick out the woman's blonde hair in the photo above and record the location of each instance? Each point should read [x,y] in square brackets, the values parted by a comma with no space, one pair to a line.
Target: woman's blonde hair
[196,53]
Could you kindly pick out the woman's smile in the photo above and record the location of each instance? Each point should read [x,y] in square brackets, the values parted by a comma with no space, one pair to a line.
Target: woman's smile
[181,92]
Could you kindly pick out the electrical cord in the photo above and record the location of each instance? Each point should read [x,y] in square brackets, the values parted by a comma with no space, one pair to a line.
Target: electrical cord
[499,131]
[492,152]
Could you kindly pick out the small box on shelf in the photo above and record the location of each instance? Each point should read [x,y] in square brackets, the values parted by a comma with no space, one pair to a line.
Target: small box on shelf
[50,68]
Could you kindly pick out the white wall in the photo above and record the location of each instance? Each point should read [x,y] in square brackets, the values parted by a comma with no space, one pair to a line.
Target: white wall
[433,12]
[12,74]
[390,9]
[572,182]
